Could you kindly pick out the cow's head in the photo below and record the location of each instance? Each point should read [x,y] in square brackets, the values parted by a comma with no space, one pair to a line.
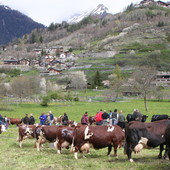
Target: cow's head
[28,131]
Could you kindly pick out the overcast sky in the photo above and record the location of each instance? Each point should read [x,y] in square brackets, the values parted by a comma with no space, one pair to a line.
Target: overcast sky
[48,11]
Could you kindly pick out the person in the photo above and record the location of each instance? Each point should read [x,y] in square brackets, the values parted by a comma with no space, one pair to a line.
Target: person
[84,119]
[115,117]
[105,117]
[137,115]
[26,120]
[42,119]
[6,122]
[47,121]
[110,117]
[1,119]
[121,120]
[32,119]
[65,120]
[51,117]
[98,117]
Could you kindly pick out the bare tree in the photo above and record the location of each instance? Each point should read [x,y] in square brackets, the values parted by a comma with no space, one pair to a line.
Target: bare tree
[116,81]
[25,86]
[142,82]
[78,80]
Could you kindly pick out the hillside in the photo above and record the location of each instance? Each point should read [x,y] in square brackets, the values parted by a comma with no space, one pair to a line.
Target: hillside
[137,36]
[14,24]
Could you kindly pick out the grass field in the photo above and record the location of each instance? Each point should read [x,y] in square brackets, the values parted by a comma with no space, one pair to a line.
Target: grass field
[14,158]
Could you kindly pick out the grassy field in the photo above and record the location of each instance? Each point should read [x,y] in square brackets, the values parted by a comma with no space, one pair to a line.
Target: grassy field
[14,158]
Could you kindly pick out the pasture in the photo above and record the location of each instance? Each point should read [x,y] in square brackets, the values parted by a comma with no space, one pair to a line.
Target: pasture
[13,157]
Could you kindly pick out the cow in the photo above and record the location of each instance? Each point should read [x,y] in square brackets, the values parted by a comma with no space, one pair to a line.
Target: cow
[167,140]
[159,117]
[45,133]
[57,120]
[98,137]
[2,128]
[130,117]
[14,121]
[91,120]
[25,131]
[141,135]
[64,137]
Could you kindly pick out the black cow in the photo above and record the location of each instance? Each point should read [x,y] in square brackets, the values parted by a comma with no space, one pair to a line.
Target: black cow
[145,135]
[130,117]
[159,117]
[167,140]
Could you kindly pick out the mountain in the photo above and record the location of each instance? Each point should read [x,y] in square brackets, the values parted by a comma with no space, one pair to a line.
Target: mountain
[100,11]
[14,24]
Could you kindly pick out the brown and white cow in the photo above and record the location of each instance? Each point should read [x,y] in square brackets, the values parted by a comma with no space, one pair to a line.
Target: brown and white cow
[15,121]
[141,135]
[64,137]
[98,137]
[2,128]
[45,134]
[25,131]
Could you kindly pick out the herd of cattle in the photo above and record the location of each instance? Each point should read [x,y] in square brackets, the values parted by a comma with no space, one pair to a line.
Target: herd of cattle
[80,138]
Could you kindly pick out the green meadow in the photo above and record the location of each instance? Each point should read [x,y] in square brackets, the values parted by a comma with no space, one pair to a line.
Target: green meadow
[14,158]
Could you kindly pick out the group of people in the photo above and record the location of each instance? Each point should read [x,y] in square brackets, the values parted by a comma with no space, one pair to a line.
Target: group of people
[46,119]
[28,120]
[111,118]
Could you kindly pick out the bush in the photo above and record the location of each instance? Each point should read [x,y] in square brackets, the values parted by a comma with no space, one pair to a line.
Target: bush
[45,101]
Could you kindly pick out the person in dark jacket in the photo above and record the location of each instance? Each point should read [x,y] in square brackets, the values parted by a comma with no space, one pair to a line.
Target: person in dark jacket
[105,117]
[32,119]
[65,120]
[26,120]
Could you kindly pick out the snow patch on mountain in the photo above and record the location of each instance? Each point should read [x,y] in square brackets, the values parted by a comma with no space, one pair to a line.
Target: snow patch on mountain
[100,10]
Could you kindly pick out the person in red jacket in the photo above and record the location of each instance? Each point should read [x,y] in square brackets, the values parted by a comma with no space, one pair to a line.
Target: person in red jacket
[98,118]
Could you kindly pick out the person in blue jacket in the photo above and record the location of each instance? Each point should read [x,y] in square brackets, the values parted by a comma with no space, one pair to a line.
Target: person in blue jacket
[42,119]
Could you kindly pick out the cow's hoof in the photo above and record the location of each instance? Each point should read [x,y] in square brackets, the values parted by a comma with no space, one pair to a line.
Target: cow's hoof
[131,160]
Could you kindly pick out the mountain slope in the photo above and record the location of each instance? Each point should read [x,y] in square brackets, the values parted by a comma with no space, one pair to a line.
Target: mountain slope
[14,24]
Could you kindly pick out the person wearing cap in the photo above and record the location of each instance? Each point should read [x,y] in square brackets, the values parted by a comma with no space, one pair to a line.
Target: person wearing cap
[32,119]
[84,119]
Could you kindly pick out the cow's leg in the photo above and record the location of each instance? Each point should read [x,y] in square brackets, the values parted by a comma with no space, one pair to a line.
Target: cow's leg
[76,152]
[58,147]
[115,150]
[161,150]
[20,140]
[109,150]
[129,152]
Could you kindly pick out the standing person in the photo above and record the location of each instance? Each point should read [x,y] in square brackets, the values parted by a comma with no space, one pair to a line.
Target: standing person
[98,118]
[51,117]
[121,120]
[137,115]
[42,119]
[6,122]
[65,120]
[1,119]
[47,122]
[26,120]
[32,119]
[84,119]
[110,118]
[105,117]
[115,117]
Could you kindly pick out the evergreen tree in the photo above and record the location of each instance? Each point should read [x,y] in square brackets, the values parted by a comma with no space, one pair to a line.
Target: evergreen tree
[97,79]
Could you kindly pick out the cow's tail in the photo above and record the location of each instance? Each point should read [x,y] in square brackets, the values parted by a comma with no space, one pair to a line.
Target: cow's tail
[72,145]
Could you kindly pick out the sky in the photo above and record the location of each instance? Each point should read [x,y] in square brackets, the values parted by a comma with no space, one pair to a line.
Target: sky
[56,11]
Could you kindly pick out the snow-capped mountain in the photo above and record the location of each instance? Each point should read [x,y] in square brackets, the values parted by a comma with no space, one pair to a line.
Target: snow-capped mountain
[100,10]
